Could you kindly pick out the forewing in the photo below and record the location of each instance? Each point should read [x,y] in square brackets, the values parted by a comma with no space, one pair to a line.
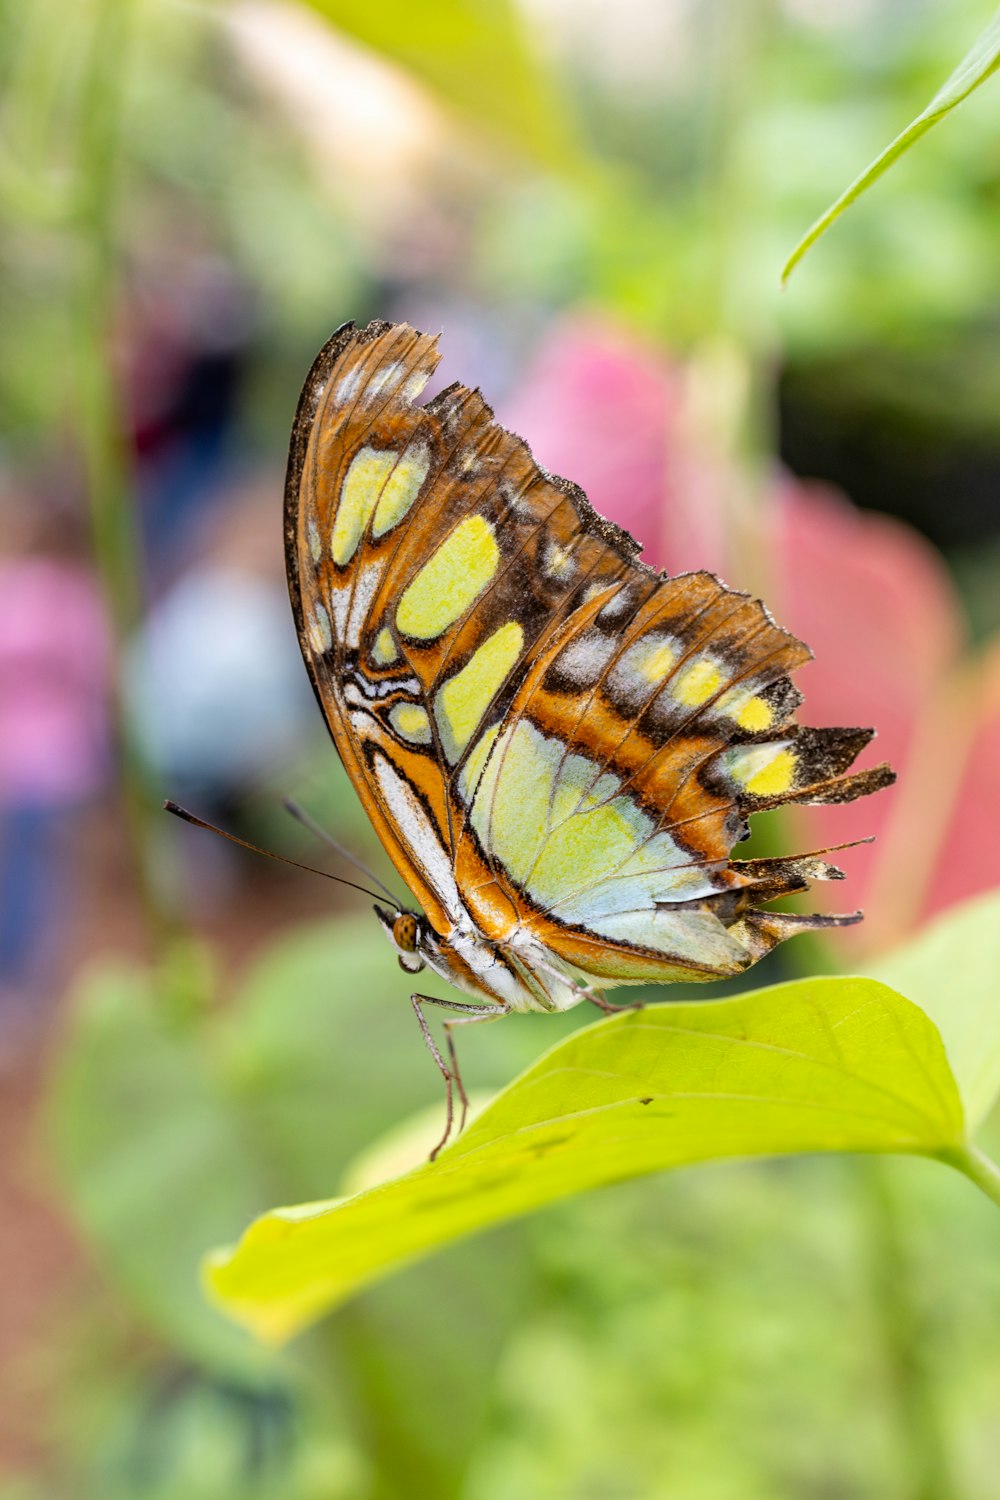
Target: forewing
[428,559]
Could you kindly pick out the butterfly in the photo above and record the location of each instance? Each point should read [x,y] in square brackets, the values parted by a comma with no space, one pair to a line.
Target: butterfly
[558,746]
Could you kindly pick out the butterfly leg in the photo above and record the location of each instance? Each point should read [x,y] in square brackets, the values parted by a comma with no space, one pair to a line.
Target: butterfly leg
[452,1076]
[608,1006]
[456,1072]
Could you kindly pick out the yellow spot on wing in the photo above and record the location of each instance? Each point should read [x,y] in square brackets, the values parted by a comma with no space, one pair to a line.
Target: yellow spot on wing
[411,721]
[775,778]
[657,663]
[380,481]
[473,768]
[755,715]
[764,770]
[651,660]
[401,488]
[464,698]
[384,650]
[359,495]
[452,578]
[699,682]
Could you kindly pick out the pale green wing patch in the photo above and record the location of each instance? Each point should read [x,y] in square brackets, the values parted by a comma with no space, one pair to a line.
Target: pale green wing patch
[464,698]
[815,1065]
[559,829]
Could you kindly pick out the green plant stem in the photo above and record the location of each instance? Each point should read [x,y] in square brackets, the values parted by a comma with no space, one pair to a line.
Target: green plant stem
[980,1169]
[101,426]
[922,1439]
[733,369]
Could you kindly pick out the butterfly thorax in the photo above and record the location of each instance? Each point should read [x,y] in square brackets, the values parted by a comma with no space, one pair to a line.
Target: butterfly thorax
[519,974]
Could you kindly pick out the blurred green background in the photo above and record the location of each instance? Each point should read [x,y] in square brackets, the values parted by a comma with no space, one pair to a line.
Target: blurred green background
[593,202]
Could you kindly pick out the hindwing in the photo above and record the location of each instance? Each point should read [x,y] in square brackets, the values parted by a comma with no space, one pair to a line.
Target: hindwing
[548,736]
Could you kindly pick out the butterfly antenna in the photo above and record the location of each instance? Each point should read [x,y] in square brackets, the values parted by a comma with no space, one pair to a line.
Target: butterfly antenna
[189,817]
[301,816]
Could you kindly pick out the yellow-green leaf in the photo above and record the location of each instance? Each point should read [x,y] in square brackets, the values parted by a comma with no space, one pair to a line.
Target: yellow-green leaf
[815,1065]
[951,970]
[979,64]
[476,58]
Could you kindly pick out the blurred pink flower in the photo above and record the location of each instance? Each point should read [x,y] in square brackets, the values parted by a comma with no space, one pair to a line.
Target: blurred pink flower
[54,650]
[599,406]
[969,787]
[872,598]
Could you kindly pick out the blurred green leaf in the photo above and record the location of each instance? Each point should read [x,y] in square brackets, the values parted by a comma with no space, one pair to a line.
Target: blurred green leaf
[173,1125]
[951,971]
[476,57]
[155,1104]
[149,1155]
[326,1056]
[815,1065]
[979,64]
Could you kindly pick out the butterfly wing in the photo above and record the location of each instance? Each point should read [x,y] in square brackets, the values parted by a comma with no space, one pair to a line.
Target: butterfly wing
[552,740]
[414,543]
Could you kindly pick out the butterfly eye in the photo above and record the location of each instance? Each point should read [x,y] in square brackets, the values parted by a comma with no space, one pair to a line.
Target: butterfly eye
[404,932]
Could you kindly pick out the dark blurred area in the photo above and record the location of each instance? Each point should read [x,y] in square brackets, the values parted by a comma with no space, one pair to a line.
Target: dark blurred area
[592,204]
[932,460]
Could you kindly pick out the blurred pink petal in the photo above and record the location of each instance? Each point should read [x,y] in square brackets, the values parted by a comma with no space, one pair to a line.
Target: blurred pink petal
[604,409]
[876,605]
[54,656]
[969,849]
[596,407]
[873,599]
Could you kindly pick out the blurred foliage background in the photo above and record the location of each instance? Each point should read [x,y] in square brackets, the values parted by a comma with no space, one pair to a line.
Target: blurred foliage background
[593,202]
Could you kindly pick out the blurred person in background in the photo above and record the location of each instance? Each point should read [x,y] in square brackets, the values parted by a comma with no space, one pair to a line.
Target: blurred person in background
[186,326]
[54,739]
[214,683]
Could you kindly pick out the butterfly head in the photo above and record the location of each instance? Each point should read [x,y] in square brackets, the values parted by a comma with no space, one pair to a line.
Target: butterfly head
[407,932]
